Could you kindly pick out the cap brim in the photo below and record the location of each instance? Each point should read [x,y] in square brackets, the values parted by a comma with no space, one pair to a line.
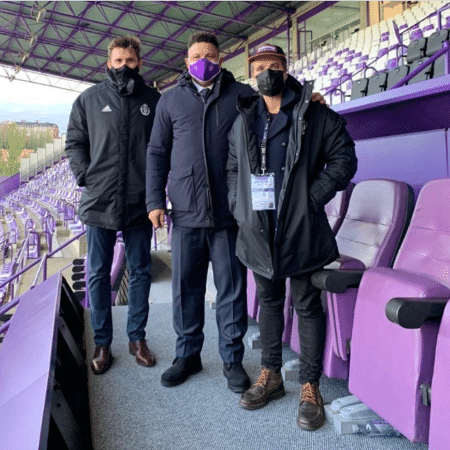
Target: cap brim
[263,55]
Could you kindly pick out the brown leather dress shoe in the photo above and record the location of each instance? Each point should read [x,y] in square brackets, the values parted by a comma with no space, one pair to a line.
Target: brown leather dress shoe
[141,352]
[102,359]
[269,386]
[311,414]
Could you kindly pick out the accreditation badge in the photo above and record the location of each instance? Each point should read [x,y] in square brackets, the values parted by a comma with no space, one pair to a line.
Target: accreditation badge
[263,191]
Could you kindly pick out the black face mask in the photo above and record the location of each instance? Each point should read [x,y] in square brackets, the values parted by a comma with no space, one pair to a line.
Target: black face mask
[125,77]
[270,82]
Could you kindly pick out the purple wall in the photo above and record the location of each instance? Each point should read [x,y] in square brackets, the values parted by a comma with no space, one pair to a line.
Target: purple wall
[9,184]
[414,158]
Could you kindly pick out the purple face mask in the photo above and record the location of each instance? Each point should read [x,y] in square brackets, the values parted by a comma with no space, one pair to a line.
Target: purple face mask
[204,69]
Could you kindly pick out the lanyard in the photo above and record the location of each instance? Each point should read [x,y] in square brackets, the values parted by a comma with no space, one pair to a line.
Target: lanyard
[264,144]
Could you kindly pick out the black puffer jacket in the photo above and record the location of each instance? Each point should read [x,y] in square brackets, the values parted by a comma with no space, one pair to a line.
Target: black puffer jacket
[106,144]
[320,160]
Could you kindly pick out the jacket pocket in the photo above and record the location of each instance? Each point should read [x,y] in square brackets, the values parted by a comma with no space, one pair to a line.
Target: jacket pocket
[181,189]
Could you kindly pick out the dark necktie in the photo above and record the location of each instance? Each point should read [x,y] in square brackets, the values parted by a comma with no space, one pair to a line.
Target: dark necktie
[204,93]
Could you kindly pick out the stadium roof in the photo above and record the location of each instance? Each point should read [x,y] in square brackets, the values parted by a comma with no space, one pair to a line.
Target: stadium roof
[70,38]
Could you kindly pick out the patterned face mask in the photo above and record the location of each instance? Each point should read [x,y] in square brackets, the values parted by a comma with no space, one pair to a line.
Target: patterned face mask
[270,82]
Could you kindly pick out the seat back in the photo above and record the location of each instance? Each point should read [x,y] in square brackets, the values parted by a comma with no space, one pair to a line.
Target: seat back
[439,66]
[425,248]
[336,208]
[377,83]
[426,74]
[416,50]
[396,75]
[375,220]
[359,88]
[436,40]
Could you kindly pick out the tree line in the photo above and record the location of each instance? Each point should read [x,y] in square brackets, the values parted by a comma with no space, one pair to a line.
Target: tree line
[16,142]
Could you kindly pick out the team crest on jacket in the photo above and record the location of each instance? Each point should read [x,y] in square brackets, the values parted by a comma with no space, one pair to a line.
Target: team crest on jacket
[145,110]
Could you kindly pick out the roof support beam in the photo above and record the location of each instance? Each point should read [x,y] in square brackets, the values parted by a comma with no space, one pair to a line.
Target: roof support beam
[227,19]
[161,17]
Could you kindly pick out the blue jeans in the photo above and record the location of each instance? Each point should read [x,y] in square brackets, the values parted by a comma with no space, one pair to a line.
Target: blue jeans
[100,256]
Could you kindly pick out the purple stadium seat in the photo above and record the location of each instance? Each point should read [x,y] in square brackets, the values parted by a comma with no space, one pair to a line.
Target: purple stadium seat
[389,363]
[117,268]
[440,387]
[382,52]
[391,64]
[335,210]
[252,299]
[368,237]
[416,34]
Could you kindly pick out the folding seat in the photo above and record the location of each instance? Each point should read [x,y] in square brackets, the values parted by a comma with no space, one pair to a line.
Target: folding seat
[396,75]
[377,216]
[377,83]
[425,74]
[359,88]
[388,363]
[435,41]
[416,50]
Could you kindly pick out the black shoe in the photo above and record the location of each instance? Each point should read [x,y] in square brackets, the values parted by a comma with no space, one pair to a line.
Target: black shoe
[181,369]
[311,414]
[237,377]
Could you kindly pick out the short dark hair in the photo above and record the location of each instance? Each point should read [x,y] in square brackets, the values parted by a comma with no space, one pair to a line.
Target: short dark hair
[203,36]
[125,42]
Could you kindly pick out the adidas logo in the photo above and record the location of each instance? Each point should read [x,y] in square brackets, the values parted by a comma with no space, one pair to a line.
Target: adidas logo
[107,109]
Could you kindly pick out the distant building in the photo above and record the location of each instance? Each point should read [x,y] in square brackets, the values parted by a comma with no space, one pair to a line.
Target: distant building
[40,127]
[36,127]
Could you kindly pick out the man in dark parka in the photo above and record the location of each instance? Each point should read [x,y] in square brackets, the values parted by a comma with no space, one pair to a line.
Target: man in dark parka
[309,156]
[106,142]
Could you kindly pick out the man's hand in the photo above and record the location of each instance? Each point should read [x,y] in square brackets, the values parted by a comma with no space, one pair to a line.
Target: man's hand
[157,217]
[318,97]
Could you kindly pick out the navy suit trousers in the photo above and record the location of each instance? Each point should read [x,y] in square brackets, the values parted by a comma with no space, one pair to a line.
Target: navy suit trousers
[192,249]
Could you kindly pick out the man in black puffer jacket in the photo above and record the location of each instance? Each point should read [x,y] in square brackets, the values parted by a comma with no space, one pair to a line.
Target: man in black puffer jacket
[106,142]
[288,157]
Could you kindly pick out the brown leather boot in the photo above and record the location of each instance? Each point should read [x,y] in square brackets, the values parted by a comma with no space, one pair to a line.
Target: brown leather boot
[269,386]
[102,359]
[311,414]
[141,352]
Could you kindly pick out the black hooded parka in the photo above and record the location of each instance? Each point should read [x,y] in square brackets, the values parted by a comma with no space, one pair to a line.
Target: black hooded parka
[320,160]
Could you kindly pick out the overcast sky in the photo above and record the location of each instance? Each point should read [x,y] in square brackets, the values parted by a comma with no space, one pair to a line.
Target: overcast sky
[21,100]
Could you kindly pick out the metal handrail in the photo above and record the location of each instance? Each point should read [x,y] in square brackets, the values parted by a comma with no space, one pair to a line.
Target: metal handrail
[43,262]
[37,261]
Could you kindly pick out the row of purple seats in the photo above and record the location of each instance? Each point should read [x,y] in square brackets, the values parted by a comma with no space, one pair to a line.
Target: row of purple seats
[390,366]
[13,228]
[80,269]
